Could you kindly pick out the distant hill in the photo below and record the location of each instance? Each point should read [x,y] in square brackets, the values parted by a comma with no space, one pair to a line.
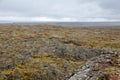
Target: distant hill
[77,24]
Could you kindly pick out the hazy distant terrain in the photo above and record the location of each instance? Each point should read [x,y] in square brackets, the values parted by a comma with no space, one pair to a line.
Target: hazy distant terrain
[71,24]
[55,52]
[87,24]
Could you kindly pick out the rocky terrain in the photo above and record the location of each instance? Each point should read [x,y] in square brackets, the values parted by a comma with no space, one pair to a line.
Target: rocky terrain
[46,52]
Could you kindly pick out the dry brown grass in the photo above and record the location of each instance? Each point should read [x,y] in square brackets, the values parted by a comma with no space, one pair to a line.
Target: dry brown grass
[42,63]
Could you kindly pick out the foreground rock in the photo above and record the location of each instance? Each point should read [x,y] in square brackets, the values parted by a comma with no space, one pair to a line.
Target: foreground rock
[99,68]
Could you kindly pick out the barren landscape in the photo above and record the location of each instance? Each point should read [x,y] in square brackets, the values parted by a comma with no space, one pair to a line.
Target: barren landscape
[49,52]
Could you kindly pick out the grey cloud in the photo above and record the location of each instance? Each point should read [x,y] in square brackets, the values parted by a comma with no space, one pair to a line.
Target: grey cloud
[111,5]
[77,9]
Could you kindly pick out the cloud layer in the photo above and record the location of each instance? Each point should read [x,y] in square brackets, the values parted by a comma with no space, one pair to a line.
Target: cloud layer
[59,10]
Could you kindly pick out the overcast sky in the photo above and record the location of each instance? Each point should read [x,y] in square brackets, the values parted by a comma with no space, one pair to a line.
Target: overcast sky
[59,10]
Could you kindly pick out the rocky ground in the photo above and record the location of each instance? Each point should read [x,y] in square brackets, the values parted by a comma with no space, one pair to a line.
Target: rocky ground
[44,52]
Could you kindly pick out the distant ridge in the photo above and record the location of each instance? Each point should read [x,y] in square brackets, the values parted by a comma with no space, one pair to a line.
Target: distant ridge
[81,24]
[86,24]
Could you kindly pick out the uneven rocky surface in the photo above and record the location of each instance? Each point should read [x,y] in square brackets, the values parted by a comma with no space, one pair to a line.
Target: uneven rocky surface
[44,52]
[98,68]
